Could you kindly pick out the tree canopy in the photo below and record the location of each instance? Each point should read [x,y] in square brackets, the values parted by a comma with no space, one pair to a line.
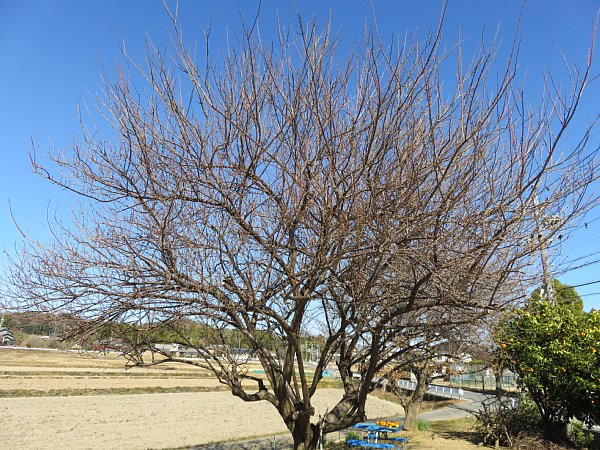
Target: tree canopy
[292,188]
[555,351]
[564,295]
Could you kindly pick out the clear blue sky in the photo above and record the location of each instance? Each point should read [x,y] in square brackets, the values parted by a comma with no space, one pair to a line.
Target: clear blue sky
[51,51]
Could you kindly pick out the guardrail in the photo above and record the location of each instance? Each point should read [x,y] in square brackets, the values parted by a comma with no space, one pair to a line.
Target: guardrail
[434,389]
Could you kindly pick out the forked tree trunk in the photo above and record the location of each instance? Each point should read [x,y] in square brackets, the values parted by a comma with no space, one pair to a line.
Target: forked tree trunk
[306,438]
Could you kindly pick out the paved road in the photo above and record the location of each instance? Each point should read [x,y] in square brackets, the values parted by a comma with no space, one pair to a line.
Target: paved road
[471,401]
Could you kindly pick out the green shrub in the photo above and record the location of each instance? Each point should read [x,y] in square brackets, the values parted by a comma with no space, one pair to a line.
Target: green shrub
[353,435]
[552,350]
[423,425]
[579,434]
[525,417]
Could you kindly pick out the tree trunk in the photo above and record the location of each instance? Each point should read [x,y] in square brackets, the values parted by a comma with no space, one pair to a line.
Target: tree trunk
[412,402]
[304,433]
[411,411]
[306,438]
[498,378]
[554,429]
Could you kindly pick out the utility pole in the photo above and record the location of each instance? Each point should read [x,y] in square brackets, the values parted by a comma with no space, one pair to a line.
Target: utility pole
[547,280]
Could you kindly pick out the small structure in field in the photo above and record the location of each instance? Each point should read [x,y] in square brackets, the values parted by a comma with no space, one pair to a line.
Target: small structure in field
[7,337]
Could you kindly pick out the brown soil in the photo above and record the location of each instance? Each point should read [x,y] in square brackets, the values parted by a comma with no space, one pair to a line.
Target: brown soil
[143,420]
[129,421]
[148,420]
[48,383]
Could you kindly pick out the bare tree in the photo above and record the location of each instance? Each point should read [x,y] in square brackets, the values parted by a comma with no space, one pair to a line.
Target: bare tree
[425,347]
[481,346]
[412,400]
[293,187]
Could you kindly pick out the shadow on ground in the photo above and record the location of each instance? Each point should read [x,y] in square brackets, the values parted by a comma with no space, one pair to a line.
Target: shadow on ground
[469,436]
[277,443]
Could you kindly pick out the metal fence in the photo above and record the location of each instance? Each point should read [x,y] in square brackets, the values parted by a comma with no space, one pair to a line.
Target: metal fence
[480,381]
[433,389]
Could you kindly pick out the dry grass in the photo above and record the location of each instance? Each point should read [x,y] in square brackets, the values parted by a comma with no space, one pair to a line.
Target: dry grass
[36,361]
[445,435]
[30,373]
[10,393]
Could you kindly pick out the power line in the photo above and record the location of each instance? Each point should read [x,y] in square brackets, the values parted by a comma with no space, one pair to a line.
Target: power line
[581,266]
[586,284]
[586,224]
[591,293]
[569,261]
